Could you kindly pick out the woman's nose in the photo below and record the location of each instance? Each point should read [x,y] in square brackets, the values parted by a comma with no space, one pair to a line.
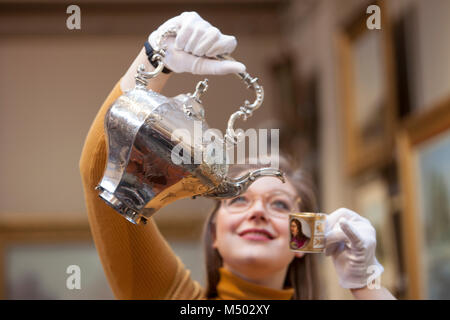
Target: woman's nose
[258,210]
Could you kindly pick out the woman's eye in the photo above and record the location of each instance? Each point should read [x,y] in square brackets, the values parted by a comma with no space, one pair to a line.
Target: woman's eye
[238,201]
[280,205]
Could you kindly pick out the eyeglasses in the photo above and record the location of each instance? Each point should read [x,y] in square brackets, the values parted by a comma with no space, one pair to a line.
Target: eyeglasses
[278,203]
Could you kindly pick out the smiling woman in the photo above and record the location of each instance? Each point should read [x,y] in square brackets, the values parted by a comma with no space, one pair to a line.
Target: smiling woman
[249,235]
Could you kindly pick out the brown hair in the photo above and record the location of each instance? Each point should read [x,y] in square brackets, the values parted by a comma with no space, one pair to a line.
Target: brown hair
[302,272]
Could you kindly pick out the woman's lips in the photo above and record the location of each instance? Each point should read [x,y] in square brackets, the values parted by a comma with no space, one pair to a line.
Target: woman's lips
[256,235]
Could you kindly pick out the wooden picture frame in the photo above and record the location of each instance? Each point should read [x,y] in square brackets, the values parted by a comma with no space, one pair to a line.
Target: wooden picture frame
[418,143]
[372,200]
[368,95]
[35,254]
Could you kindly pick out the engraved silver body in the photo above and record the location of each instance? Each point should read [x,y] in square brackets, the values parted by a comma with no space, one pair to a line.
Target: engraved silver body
[140,175]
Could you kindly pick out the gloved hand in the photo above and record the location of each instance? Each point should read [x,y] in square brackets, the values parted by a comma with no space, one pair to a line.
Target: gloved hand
[196,40]
[351,241]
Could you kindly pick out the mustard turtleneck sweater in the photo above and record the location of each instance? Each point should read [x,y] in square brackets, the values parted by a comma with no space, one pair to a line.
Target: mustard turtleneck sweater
[232,287]
[138,262]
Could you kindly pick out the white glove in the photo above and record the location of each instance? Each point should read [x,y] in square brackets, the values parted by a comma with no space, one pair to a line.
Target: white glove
[351,241]
[196,40]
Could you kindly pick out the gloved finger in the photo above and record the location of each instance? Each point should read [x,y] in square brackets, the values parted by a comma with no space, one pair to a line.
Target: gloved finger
[212,66]
[333,248]
[225,45]
[335,236]
[183,35]
[211,36]
[352,234]
[190,24]
[196,36]
[334,217]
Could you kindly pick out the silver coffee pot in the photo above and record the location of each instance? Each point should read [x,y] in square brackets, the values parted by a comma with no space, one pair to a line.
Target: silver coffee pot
[147,168]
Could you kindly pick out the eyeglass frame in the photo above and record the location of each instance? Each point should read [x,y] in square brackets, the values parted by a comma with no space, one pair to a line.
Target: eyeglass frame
[296,200]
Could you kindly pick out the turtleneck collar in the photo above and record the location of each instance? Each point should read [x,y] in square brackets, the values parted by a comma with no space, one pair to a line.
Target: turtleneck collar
[232,287]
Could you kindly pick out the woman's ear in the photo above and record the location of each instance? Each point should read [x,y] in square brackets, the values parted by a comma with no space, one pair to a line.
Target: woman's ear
[299,254]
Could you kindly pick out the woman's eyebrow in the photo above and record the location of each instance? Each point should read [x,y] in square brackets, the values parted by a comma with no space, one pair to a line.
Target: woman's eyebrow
[285,192]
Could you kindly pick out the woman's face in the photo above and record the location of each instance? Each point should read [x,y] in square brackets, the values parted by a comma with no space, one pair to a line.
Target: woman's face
[255,241]
[294,228]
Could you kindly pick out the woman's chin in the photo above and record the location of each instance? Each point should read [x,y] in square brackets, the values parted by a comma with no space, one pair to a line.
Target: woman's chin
[261,257]
[256,266]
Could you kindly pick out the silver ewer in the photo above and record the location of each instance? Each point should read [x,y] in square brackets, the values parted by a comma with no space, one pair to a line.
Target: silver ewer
[141,175]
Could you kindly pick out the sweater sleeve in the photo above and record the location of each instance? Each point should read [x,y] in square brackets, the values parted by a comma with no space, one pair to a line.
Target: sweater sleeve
[138,262]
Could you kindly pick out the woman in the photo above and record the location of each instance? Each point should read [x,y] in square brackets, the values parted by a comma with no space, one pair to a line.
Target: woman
[249,236]
[298,238]
[248,256]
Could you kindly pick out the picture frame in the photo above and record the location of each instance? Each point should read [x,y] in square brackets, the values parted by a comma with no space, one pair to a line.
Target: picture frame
[372,200]
[368,94]
[423,152]
[36,255]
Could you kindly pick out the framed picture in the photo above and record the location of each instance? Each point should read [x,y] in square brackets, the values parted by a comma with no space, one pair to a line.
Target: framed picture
[371,199]
[367,82]
[424,163]
[38,259]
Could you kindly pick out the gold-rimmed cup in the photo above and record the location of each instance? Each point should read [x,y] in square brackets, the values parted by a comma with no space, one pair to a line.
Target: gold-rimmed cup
[307,232]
